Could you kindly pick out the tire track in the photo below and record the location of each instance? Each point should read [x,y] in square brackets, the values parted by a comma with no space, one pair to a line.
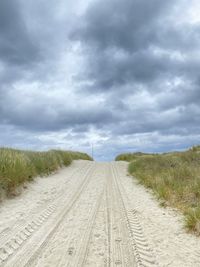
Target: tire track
[97,246]
[21,226]
[19,240]
[120,243]
[67,233]
[83,253]
[59,219]
[113,236]
[74,244]
[14,240]
[109,227]
[141,250]
[78,246]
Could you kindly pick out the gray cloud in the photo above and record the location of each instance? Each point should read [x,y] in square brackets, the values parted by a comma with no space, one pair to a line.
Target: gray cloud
[120,37]
[125,25]
[123,75]
[38,112]
[16,44]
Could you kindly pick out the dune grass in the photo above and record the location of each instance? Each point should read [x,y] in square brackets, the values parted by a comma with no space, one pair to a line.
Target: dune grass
[17,166]
[129,156]
[175,179]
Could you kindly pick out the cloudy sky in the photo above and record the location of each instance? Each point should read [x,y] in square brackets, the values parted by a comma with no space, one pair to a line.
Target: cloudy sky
[123,75]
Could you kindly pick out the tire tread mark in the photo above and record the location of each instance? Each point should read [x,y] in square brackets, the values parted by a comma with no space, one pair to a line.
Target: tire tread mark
[117,228]
[75,197]
[142,252]
[20,238]
[8,235]
[109,238]
[26,232]
[87,236]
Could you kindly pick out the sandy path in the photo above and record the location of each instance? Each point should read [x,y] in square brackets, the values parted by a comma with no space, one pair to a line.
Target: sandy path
[91,214]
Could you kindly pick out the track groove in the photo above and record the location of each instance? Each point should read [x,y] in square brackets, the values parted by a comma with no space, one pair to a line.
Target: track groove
[142,252]
[53,230]
[90,224]
[21,237]
[10,234]
[83,253]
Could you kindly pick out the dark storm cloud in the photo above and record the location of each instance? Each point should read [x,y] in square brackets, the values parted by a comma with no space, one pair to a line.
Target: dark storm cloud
[18,50]
[137,46]
[142,67]
[50,116]
[137,43]
[125,24]
[16,44]
[176,121]
[32,39]
[121,74]
[121,37]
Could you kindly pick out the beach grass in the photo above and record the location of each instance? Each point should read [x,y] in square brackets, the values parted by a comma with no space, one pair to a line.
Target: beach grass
[18,166]
[174,178]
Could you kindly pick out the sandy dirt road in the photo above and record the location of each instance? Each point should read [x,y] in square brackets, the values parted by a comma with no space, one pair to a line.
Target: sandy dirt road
[82,216]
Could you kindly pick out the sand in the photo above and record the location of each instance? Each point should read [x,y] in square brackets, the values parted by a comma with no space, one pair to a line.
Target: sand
[92,214]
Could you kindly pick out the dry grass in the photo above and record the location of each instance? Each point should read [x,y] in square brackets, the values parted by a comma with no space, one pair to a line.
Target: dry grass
[174,178]
[17,167]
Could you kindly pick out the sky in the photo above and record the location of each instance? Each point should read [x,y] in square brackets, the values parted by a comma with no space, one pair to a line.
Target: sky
[118,75]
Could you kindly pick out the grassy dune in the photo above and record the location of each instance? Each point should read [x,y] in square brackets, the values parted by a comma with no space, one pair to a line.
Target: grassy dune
[175,179]
[129,156]
[18,166]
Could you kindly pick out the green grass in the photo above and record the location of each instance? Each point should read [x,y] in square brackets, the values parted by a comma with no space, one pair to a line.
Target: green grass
[129,156]
[17,166]
[175,179]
